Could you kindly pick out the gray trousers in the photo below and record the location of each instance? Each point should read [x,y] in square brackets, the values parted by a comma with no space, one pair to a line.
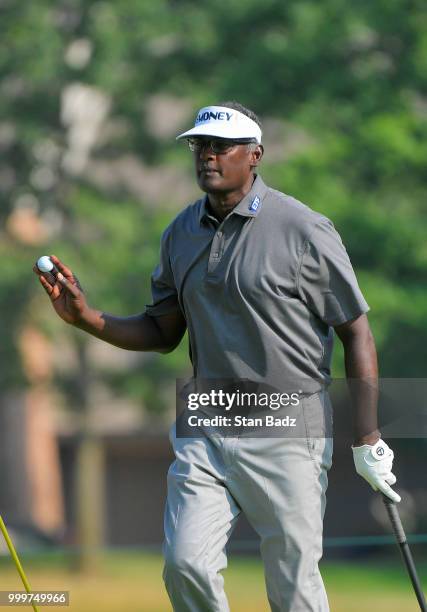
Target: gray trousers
[279,484]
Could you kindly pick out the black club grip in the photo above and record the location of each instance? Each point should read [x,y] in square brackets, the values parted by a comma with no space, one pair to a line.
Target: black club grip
[395,521]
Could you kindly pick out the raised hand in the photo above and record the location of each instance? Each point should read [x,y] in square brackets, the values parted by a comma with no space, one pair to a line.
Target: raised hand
[65,292]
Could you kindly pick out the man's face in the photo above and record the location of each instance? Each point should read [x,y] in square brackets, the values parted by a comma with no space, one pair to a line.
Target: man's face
[226,168]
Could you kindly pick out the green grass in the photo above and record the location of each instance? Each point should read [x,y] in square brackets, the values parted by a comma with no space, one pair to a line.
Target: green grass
[127,582]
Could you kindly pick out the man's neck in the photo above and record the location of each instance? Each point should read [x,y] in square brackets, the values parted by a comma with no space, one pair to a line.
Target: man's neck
[221,204]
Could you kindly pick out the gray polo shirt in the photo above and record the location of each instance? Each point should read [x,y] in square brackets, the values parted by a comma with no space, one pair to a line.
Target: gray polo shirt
[260,291]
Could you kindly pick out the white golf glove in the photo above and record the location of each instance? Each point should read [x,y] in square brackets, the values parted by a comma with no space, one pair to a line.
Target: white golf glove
[374,464]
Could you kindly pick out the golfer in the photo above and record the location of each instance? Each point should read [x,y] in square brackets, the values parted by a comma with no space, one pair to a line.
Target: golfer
[260,281]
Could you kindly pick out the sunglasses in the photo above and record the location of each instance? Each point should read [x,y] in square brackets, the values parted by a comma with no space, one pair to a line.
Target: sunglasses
[216,145]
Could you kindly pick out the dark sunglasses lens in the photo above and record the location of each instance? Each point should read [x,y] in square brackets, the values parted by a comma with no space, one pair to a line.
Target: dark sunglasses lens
[216,145]
[221,146]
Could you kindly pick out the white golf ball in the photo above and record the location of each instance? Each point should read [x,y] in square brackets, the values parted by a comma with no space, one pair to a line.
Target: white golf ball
[45,264]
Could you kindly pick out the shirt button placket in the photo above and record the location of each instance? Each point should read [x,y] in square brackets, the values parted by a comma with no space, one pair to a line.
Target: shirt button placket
[216,250]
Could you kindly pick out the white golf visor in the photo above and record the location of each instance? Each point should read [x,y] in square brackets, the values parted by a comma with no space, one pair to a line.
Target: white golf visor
[223,122]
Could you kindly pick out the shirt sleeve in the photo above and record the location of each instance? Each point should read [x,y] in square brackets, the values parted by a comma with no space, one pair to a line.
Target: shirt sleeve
[163,290]
[326,281]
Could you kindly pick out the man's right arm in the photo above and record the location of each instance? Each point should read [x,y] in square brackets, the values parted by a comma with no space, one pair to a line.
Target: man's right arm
[139,332]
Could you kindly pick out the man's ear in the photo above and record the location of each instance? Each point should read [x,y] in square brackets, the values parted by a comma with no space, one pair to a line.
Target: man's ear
[256,155]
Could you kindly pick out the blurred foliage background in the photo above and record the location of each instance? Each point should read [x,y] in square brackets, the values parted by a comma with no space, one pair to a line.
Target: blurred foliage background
[93,93]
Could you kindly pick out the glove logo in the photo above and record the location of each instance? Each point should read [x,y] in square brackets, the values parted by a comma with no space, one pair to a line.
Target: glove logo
[380,451]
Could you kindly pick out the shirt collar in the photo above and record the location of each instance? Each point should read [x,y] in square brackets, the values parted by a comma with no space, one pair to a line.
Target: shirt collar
[249,206]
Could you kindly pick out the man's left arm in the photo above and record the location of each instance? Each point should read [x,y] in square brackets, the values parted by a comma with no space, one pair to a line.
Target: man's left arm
[373,458]
[361,369]
[326,283]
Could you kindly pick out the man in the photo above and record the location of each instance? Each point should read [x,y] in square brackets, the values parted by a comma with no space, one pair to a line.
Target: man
[260,281]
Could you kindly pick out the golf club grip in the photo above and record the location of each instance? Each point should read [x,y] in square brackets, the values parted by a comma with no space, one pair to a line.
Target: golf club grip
[395,521]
